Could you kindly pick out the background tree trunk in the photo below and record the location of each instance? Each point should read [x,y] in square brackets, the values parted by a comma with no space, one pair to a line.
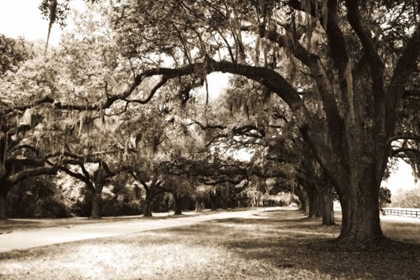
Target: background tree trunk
[233,201]
[328,205]
[198,204]
[147,208]
[3,195]
[304,199]
[147,205]
[224,203]
[96,204]
[177,203]
[305,208]
[213,203]
[314,204]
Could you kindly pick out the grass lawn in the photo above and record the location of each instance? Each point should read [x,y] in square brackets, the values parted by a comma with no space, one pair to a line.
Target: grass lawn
[270,245]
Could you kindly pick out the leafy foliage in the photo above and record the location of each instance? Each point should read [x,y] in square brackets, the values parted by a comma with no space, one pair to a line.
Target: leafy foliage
[384,197]
[36,198]
[12,53]
[407,199]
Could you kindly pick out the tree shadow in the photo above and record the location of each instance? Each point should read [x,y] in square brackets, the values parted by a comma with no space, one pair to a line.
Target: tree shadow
[302,244]
[297,246]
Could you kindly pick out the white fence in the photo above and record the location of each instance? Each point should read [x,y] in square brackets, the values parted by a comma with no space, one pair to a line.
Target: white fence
[405,212]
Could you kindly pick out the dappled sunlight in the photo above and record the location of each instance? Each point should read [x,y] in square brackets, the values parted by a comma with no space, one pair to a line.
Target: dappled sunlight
[153,261]
[268,245]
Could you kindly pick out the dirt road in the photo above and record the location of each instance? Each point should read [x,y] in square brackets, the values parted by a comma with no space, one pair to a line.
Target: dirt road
[21,240]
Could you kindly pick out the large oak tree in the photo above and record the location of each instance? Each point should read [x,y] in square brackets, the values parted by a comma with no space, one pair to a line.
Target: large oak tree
[357,58]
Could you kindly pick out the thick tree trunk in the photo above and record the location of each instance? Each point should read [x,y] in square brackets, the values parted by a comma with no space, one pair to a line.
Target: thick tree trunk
[96,205]
[178,204]
[360,210]
[3,205]
[328,205]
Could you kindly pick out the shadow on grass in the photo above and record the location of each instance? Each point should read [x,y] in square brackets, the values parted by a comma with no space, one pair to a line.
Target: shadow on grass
[304,244]
[15,222]
[7,226]
[281,243]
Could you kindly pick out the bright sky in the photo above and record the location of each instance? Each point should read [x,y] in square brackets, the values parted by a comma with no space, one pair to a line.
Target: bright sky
[23,18]
[402,179]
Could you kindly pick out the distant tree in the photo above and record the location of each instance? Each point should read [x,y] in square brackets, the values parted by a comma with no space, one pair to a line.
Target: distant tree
[384,198]
[407,199]
[181,188]
[93,171]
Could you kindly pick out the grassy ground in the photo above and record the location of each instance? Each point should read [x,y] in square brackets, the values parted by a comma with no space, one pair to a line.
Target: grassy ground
[270,245]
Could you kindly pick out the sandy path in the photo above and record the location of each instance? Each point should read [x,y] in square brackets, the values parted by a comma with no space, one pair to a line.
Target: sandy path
[21,240]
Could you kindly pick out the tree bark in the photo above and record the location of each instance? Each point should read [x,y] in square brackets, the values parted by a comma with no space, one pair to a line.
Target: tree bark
[96,204]
[224,203]
[305,207]
[198,204]
[314,203]
[3,205]
[304,200]
[213,204]
[360,210]
[311,207]
[318,204]
[328,205]
[233,201]
[177,203]
[147,208]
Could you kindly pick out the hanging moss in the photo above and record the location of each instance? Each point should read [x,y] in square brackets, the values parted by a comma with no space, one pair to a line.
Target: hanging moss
[52,18]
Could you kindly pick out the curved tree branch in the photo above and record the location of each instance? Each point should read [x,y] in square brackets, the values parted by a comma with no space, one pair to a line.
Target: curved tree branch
[16,178]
